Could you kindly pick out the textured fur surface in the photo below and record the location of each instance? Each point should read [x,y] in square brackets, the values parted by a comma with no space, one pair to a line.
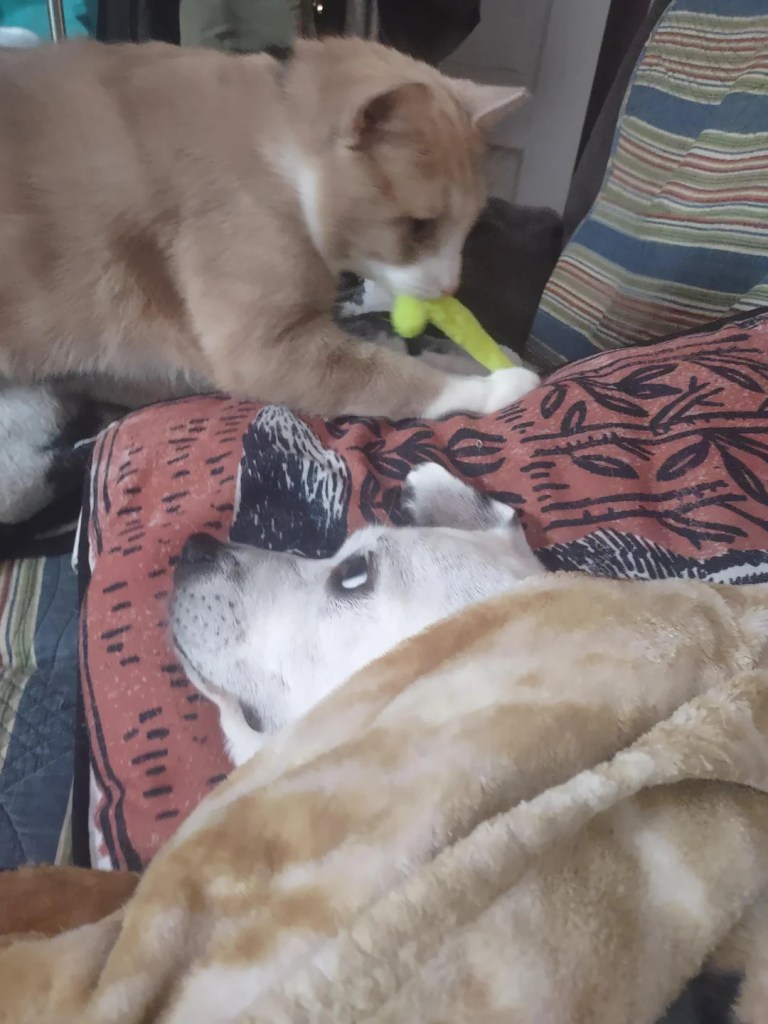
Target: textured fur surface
[551,807]
[168,212]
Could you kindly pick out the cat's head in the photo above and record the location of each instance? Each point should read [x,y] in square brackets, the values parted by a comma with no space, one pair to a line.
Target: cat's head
[399,181]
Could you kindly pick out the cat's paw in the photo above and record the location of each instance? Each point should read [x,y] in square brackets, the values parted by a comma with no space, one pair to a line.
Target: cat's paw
[504,387]
[483,394]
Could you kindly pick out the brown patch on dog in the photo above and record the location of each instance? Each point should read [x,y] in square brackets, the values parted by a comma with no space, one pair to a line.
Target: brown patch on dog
[49,900]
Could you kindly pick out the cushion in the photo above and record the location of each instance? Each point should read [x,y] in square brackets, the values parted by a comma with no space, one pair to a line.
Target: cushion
[678,233]
[644,463]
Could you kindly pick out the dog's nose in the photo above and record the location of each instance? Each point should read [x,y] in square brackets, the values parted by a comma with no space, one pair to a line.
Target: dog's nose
[199,549]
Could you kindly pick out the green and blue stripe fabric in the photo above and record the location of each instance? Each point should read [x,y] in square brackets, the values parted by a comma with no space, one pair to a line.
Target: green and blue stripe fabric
[678,235]
[38,697]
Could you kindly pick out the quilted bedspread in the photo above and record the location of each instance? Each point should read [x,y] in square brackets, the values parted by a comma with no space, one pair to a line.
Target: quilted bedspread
[38,694]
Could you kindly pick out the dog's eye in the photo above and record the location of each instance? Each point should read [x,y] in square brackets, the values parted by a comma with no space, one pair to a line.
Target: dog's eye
[422,229]
[354,574]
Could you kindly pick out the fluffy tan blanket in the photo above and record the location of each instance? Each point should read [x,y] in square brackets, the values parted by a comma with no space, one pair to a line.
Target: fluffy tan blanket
[548,810]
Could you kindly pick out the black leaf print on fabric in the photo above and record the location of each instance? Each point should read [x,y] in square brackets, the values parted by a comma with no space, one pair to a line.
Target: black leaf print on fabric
[735,376]
[632,446]
[642,383]
[419,447]
[684,460]
[697,395]
[744,477]
[745,367]
[397,460]
[698,531]
[340,427]
[728,443]
[609,397]
[552,400]
[384,460]
[574,419]
[379,504]
[730,339]
[511,498]
[468,453]
[606,465]
[677,438]
[741,440]
[473,453]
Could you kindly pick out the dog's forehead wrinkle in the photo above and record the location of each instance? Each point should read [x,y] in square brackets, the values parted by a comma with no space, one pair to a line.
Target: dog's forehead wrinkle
[396,560]
[453,538]
[297,567]
[366,536]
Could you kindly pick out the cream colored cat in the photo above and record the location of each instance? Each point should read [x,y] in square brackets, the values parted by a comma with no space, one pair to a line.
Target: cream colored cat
[169,212]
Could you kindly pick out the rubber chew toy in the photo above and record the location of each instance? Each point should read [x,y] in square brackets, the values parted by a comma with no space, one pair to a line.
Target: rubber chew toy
[410,316]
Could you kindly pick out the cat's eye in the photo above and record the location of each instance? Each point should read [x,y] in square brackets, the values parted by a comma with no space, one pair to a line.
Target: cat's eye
[422,229]
[353,576]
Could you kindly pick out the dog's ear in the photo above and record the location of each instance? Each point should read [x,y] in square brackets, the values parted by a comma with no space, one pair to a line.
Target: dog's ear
[432,497]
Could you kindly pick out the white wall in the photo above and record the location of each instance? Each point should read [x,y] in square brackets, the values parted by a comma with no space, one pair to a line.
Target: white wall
[550,46]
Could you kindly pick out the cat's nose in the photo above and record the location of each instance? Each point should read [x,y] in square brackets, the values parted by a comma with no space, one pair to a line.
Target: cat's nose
[450,289]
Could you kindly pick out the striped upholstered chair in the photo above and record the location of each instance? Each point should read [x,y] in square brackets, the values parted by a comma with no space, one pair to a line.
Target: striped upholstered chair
[678,234]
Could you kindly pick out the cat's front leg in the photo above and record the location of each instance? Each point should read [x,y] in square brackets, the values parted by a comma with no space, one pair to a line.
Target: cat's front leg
[482,394]
[318,368]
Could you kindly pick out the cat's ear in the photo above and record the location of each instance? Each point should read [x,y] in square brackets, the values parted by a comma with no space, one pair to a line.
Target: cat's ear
[487,104]
[393,112]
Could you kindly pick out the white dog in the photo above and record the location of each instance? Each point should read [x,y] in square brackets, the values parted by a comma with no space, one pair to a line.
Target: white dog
[267,635]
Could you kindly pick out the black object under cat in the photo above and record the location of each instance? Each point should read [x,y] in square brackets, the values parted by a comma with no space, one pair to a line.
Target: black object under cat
[427,29]
[508,257]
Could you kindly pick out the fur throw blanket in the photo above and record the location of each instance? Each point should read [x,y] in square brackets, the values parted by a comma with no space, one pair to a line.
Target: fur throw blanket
[548,809]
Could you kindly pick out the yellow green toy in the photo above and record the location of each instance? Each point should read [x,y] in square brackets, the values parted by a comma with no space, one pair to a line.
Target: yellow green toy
[410,316]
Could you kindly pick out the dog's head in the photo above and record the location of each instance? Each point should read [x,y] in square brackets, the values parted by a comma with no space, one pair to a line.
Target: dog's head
[267,635]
